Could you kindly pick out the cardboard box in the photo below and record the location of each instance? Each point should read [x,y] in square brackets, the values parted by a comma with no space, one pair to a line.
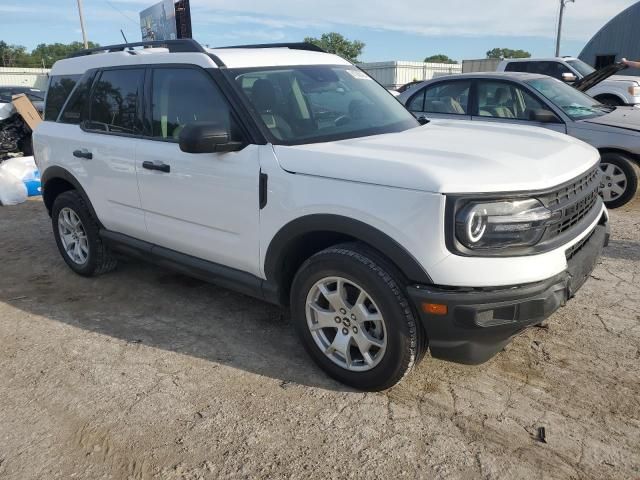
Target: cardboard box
[26,110]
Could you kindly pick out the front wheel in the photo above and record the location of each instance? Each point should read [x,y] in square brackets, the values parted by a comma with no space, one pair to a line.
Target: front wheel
[619,180]
[353,318]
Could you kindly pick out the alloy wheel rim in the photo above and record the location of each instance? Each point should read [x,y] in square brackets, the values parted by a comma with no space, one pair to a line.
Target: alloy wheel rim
[73,236]
[346,324]
[613,183]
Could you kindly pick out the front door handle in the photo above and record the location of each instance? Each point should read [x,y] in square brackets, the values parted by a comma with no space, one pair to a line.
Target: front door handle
[84,153]
[161,167]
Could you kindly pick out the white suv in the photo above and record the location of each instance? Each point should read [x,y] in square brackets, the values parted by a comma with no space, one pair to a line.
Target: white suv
[289,174]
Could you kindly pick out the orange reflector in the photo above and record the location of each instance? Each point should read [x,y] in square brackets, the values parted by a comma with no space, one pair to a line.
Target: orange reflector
[434,308]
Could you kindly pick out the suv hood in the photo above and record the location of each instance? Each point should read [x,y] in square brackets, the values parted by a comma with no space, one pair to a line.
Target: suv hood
[622,117]
[599,76]
[448,156]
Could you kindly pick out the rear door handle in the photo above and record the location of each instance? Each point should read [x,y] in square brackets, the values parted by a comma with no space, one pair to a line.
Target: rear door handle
[84,153]
[161,167]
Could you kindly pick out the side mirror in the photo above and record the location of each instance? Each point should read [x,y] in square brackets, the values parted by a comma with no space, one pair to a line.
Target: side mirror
[207,137]
[543,116]
[569,77]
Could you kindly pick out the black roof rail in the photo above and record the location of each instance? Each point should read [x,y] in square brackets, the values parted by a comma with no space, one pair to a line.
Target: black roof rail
[175,46]
[293,46]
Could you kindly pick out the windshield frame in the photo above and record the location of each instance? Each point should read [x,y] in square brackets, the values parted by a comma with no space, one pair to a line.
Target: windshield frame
[232,73]
[560,108]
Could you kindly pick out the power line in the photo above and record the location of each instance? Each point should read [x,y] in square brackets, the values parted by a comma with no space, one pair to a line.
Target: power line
[122,13]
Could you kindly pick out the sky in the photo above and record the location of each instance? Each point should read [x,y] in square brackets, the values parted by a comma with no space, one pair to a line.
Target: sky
[391,30]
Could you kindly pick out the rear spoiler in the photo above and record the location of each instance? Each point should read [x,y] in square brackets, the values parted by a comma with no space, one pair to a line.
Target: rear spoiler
[598,76]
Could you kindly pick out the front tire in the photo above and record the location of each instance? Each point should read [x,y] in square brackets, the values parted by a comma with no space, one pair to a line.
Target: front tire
[619,182]
[353,318]
[77,235]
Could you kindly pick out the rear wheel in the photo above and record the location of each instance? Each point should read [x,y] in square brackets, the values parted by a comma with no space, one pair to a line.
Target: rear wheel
[77,236]
[619,180]
[354,319]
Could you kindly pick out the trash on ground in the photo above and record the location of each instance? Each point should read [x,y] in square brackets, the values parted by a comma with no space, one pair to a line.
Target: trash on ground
[19,178]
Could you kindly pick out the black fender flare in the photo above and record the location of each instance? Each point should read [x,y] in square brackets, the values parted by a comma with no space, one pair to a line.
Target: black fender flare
[288,235]
[53,172]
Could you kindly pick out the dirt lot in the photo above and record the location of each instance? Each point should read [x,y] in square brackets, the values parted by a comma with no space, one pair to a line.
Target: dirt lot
[145,374]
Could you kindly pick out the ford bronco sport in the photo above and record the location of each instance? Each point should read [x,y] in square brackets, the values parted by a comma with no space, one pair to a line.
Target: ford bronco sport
[289,174]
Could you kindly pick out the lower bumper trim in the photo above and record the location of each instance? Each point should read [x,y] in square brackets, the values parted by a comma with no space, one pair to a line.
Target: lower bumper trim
[480,322]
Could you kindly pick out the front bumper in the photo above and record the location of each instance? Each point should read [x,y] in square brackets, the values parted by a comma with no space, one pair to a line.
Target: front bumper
[480,321]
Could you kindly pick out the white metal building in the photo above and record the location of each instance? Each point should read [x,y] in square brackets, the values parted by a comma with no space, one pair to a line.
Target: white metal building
[27,77]
[394,74]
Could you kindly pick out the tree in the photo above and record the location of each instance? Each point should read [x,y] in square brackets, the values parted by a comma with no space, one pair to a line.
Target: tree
[507,53]
[52,52]
[440,58]
[43,55]
[336,43]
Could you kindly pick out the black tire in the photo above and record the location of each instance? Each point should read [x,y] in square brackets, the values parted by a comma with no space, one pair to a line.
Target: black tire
[610,100]
[405,338]
[99,259]
[626,166]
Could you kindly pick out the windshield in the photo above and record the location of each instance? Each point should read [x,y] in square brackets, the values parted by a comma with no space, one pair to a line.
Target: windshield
[320,103]
[574,103]
[582,68]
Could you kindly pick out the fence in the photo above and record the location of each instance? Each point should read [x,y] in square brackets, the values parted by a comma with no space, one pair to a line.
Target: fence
[26,77]
[395,74]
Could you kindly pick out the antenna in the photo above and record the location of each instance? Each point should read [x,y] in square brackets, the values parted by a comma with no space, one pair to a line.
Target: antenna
[125,38]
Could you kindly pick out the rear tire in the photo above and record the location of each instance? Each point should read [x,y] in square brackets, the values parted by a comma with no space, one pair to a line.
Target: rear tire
[363,332]
[619,181]
[77,235]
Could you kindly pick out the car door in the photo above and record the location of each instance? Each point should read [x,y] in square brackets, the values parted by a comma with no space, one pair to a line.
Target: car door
[205,205]
[508,102]
[444,99]
[100,127]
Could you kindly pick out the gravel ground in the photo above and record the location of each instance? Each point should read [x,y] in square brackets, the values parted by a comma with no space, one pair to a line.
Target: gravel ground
[145,374]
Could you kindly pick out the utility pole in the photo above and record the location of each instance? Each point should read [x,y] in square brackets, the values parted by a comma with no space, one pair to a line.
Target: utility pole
[563,4]
[84,32]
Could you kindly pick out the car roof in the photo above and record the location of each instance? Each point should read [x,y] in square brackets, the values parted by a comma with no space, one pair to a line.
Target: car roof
[235,57]
[20,88]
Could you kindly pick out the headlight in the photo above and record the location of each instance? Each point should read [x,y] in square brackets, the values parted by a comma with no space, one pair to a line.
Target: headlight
[634,91]
[499,224]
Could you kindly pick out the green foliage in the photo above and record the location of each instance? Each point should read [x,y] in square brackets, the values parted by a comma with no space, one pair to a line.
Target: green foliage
[336,43]
[507,53]
[43,54]
[440,58]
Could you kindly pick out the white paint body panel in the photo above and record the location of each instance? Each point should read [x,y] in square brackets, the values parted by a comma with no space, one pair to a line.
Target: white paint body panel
[109,178]
[207,206]
[449,157]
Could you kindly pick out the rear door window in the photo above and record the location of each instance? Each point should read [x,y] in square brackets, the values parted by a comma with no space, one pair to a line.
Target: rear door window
[448,97]
[115,105]
[60,86]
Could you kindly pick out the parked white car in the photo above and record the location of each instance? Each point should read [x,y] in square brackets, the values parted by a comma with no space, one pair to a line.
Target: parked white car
[289,174]
[616,90]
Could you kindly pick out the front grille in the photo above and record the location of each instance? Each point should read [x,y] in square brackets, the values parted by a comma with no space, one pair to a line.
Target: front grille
[572,202]
[571,252]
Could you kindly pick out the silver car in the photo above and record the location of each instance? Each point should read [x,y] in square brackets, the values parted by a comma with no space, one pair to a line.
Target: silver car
[542,101]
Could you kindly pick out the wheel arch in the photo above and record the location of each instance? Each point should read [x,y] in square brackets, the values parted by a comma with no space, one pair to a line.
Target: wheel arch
[305,236]
[632,156]
[56,180]
[611,95]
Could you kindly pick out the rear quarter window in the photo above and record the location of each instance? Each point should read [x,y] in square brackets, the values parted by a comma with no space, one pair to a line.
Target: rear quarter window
[60,86]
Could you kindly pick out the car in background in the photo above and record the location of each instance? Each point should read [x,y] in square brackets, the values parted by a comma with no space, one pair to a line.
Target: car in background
[608,88]
[7,92]
[540,101]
